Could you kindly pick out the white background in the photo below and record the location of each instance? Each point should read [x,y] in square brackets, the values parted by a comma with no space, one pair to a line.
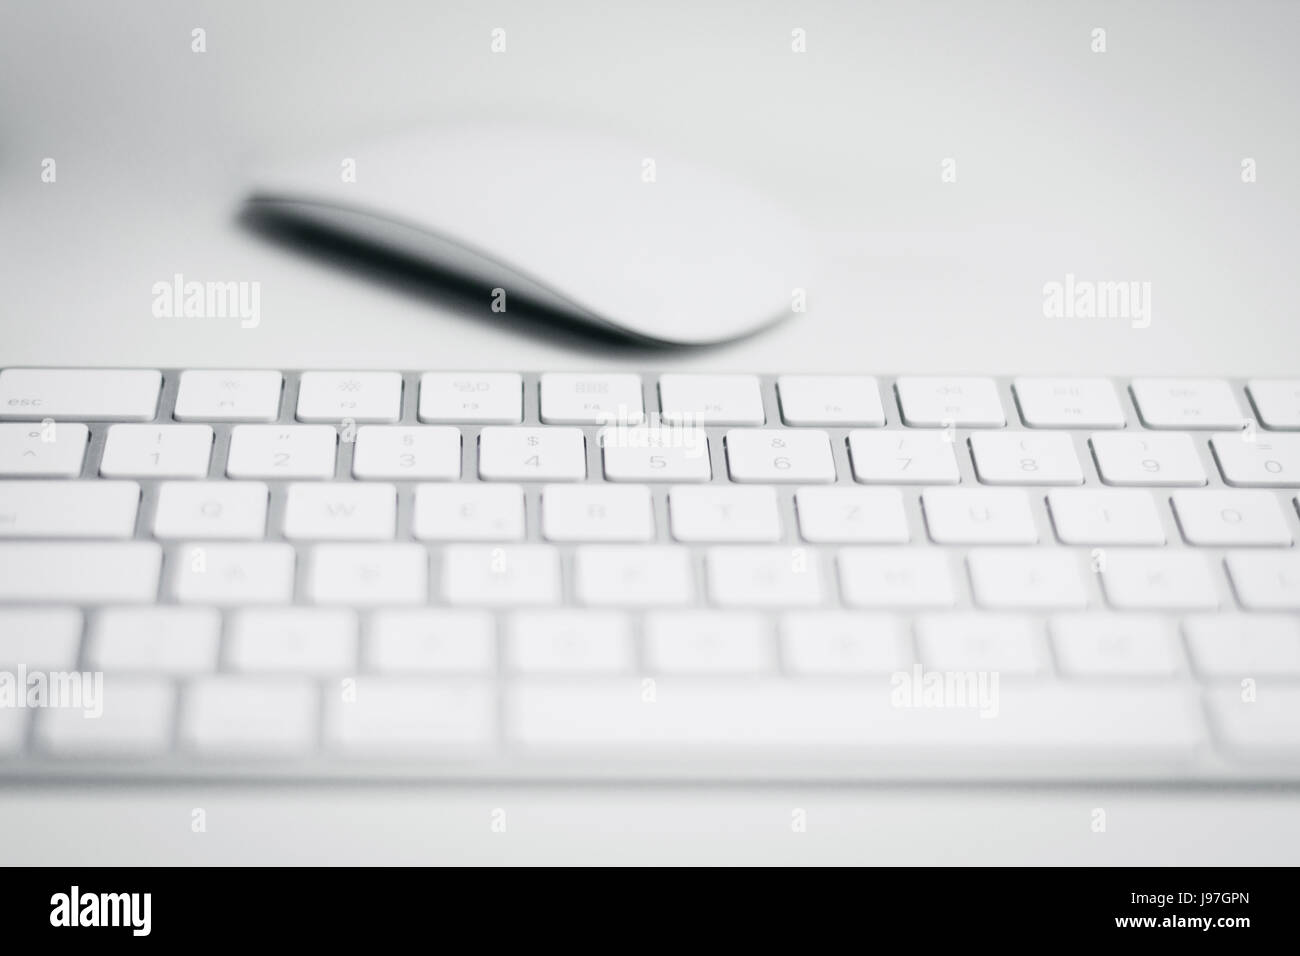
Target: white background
[1117,166]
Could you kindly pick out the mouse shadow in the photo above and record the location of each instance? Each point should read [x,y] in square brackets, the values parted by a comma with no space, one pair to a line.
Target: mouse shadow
[417,278]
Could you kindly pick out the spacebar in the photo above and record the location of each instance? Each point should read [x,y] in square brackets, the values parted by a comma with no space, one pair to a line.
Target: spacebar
[1044,720]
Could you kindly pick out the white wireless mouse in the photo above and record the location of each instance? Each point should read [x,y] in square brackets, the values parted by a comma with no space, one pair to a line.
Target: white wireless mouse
[604,231]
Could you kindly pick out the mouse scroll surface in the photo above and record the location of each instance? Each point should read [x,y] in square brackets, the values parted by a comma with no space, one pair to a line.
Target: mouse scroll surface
[645,245]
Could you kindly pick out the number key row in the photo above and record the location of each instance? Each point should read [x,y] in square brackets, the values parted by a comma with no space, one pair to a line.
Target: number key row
[661,453]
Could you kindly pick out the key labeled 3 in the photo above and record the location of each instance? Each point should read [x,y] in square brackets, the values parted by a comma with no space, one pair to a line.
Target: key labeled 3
[420,452]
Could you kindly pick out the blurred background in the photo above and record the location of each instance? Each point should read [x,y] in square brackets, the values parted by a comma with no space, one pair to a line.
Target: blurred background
[1122,165]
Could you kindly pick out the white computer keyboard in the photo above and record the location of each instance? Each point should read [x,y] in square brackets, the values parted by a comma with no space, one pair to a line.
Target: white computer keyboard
[335,574]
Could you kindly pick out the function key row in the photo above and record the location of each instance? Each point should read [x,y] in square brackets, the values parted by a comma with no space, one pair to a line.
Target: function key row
[597,398]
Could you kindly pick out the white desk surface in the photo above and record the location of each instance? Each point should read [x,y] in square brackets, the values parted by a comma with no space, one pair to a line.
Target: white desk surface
[1118,166]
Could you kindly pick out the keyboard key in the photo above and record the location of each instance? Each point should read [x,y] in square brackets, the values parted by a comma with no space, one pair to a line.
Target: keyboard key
[1149,579]
[211,509]
[506,575]
[44,639]
[644,576]
[997,643]
[1026,458]
[656,454]
[567,641]
[82,394]
[1260,729]
[979,516]
[772,455]
[597,513]
[1266,580]
[60,509]
[293,640]
[157,451]
[711,400]
[340,510]
[487,398]
[1040,723]
[397,716]
[532,454]
[399,452]
[587,399]
[80,572]
[719,513]
[469,513]
[830,400]
[216,573]
[708,642]
[1237,646]
[1187,403]
[438,641]
[250,716]
[1026,578]
[1276,401]
[368,574]
[832,643]
[229,396]
[896,577]
[281,451]
[763,577]
[1252,460]
[1092,516]
[359,396]
[160,640]
[43,451]
[852,515]
[1147,459]
[1068,403]
[1115,645]
[136,721]
[1219,518]
[929,402]
[903,458]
